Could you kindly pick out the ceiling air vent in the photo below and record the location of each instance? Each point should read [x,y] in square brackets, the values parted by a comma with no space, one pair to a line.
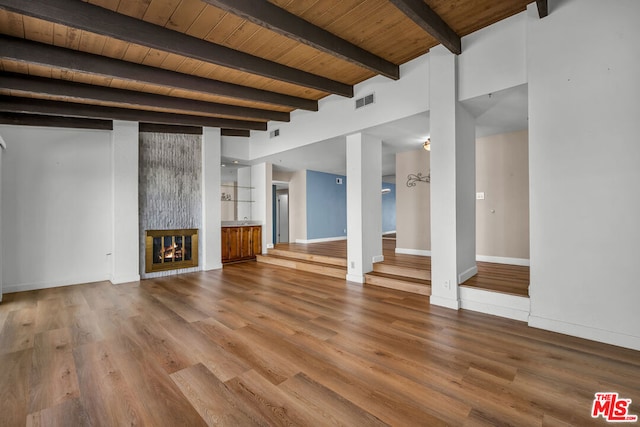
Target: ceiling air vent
[274,133]
[364,101]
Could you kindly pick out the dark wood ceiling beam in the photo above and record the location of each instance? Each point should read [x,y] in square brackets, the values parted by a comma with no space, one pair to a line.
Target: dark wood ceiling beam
[279,20]
[65,88]
[22,50]
[97,20]
[20,119]
[420,13]
[235,132]
[160,128]
[543,8]
[68,109]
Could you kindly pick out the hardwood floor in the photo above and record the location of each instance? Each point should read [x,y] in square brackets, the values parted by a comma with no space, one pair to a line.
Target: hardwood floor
[256,344]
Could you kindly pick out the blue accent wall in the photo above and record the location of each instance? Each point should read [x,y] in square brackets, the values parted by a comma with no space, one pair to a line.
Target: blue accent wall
[389,208]
[326,205]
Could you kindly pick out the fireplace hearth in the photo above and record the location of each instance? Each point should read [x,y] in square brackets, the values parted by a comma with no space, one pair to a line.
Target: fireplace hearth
[171,249]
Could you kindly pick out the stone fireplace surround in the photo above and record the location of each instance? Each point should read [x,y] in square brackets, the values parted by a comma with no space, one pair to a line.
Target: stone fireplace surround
[170,193]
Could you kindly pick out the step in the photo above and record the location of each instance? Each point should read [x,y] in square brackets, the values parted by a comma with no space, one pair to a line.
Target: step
[398,270]
[341,262]
[311,267]
[407,284]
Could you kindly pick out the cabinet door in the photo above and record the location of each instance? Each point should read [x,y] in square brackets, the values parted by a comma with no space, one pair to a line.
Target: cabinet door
[234,243]
[246,243]
[256,240]
[224,244]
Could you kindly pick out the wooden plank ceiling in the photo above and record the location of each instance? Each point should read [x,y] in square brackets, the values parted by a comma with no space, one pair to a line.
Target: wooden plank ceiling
[233,64]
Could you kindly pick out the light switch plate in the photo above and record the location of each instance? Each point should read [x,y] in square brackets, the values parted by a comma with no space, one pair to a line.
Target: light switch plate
[480,196]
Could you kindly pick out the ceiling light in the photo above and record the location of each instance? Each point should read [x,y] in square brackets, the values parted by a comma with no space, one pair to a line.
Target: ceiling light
[427,144]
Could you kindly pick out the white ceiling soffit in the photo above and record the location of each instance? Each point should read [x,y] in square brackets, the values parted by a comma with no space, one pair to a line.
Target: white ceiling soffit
[500,112]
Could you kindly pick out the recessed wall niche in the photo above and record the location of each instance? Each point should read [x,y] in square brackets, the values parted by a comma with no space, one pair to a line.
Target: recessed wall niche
[170,193]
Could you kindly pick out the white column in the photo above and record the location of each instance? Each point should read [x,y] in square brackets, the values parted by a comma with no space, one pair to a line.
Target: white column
[364,205]
[3,146]
[262,206]
[124,152]
[453,219]
[211,257]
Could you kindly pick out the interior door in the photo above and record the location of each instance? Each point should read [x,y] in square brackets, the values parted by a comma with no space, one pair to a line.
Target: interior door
[282,223]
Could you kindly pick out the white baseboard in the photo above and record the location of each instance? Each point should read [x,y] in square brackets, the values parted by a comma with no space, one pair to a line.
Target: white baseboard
[495,303]
[216,266]
[125,279]
[444,302]
[484,258]
[413,252]
[355,278]
[326,239]
[503,260]
[586,332]
[21,287]
[377,258]
[467,274]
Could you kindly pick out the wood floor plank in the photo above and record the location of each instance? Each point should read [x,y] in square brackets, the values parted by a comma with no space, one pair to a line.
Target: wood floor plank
[53,378]
[69,413]
[220,362]
[215,403]
[330,407]
[14,386]
[104,392]
[266,361]
[158,344]
[272,403]
[162,401]
[18,330]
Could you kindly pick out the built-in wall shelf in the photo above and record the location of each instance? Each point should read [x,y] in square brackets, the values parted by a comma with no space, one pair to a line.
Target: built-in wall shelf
[237,186]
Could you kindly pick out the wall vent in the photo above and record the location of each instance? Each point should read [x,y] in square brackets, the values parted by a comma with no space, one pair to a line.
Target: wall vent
[365,100]
[274,133]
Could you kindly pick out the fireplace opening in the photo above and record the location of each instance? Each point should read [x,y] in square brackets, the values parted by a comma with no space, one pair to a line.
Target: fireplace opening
[171,249]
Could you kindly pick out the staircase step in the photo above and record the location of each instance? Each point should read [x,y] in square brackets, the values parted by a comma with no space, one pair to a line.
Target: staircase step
[398,270]
[401,283]
[341,262]
[330,270]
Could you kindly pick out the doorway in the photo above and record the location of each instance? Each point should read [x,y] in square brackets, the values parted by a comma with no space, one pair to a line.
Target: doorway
[282,216]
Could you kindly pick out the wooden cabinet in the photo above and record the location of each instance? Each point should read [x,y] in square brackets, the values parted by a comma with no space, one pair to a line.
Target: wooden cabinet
[241,243]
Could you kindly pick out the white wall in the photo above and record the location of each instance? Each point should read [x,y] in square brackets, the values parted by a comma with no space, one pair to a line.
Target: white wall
[2,146]
[56,207]
[502,217]
[125,253]
[493,58]
[584,154]
[413,207]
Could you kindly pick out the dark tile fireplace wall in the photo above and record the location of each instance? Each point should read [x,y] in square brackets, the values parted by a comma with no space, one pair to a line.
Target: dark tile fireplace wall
[170,187]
